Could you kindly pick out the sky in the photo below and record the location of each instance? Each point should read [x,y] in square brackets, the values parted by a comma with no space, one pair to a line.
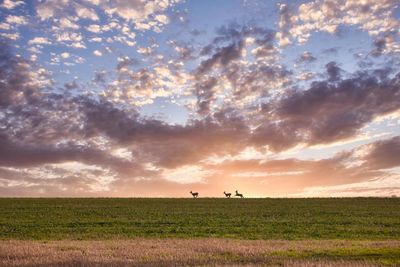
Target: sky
[136,98]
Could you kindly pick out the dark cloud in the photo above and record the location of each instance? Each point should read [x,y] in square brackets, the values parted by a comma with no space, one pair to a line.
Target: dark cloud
[383,154]
[15,86]
[329,110]
[380,45]
[222,57]
[205,94]
[100,77]
[195,142]
[277,135]
[39,128]
[71,85]
[306,57]
[13,154]
[26,155]
[162,144]
[333,71]
[60,128]
[126,61]
[104,118]
[331,51]
[225,60]
[197,32]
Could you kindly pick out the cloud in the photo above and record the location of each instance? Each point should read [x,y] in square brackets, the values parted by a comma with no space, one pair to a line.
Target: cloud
[329,110]
[377,162]
[285,22]
[292,176]
[306,57]
[69,37]
[376,18]
[385,44]
[52,9]
[11,4]
[66,23]
[65,55]
[4,26]
[236,88]
[39,40]
[143,15]
[186,174]
[17,84]
[333,71]
[72,39]
[86,13]
[125,18]
[11,36]
[382,154]
[94,28]
[97,53]
[124,62]
[137,85]
[48,9]
[227,69]
[18,20]
[96,39]
[140,12]
[50,123]
[305,76]
[71,85]
[165,145]
[23,155]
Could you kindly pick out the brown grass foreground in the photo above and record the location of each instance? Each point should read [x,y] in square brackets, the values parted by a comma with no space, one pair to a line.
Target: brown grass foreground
[198,252]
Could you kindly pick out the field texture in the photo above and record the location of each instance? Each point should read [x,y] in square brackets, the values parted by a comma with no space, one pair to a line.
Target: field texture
[288,219]
[199,252]
[200,232]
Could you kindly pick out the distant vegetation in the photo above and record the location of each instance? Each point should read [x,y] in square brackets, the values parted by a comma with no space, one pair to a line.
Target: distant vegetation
[347,218]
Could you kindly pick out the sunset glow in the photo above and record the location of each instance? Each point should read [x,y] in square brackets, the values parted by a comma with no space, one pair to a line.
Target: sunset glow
[136,98]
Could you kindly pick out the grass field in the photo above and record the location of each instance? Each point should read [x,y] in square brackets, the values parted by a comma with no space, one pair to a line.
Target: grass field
[349,231]
[351,219]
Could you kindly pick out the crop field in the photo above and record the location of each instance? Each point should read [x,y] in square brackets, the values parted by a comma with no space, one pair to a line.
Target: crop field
[349,231]
[52,219]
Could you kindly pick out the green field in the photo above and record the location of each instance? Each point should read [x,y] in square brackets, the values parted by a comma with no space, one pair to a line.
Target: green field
[273,219]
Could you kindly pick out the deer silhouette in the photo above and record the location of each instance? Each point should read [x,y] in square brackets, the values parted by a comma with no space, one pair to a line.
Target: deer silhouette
[238,194]
[228,195]
[194,194]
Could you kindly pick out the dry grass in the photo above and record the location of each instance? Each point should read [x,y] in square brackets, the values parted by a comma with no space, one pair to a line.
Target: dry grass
[198,252]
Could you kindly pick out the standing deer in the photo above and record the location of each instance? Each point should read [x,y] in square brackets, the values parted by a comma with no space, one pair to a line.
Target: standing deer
[228,195]
[238,194]
[194,194]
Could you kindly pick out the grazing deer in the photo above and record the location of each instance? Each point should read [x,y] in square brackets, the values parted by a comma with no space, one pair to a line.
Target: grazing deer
[194,194]
[238,194]
[228,195]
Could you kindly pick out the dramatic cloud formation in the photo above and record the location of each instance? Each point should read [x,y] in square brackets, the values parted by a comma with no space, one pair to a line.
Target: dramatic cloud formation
[140,98]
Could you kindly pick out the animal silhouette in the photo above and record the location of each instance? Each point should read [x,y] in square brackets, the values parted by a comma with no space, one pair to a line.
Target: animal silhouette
[238,194]
[194,194]
[228,195]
